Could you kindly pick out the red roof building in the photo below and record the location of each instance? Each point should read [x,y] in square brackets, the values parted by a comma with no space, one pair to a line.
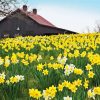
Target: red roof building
[26,23]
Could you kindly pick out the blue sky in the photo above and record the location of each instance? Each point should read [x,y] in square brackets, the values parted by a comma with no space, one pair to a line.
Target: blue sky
[83,4]
[76,15]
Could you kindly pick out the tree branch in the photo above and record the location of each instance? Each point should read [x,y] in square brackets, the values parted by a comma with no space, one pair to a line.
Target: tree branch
[7,6]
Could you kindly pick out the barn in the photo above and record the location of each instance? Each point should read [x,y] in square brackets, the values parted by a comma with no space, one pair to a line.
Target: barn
[25,23]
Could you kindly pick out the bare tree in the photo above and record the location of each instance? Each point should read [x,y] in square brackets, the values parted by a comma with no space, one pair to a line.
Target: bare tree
[97,27]
[7,6]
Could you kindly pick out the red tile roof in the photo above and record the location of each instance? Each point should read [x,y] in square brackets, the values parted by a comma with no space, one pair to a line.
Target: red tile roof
[39,19]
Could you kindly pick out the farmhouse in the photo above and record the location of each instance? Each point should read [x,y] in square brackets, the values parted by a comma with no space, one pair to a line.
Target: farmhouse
[22,22]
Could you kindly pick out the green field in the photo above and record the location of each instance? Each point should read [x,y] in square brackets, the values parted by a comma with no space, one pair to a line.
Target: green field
[57,67]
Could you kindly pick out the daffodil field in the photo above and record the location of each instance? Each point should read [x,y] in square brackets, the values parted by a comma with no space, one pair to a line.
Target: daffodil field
[57,67]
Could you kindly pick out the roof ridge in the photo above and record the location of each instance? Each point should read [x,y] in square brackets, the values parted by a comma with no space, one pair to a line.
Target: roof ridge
[39,19]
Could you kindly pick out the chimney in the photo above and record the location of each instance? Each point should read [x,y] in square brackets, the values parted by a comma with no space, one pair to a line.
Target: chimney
[25,8]
[35,11]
